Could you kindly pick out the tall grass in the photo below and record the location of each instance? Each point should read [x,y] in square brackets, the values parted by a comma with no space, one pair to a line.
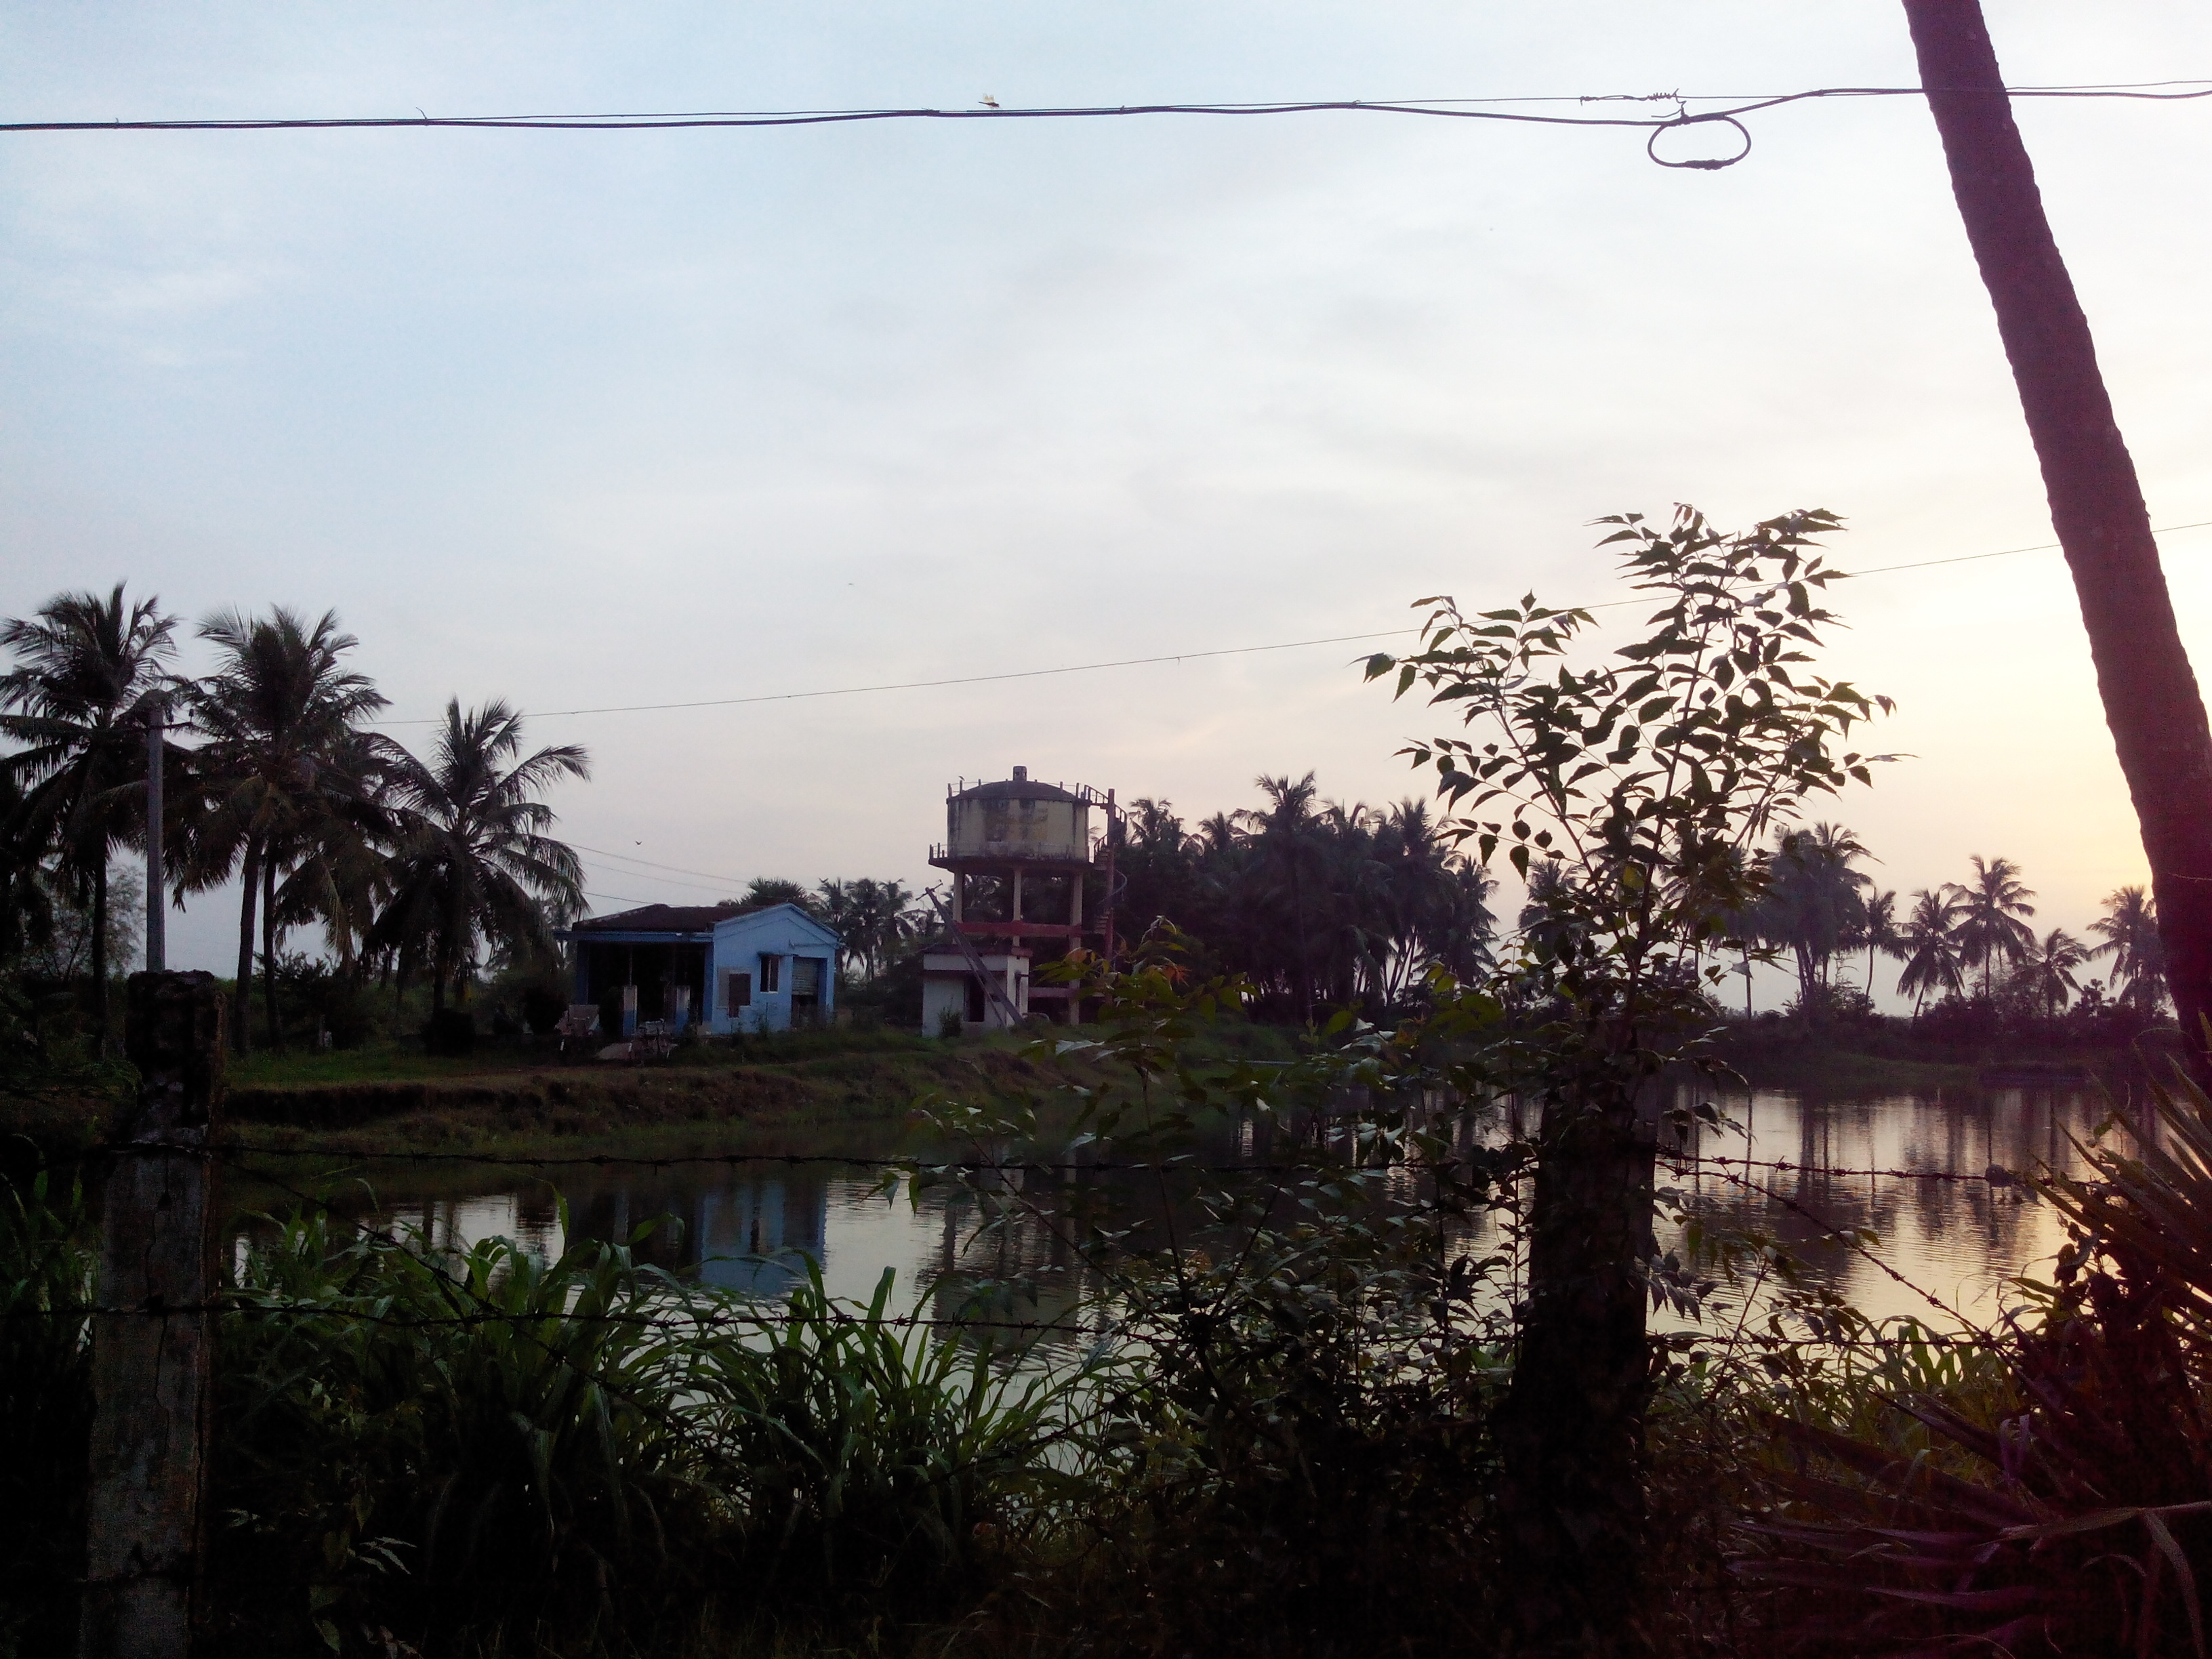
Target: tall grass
[485,1451]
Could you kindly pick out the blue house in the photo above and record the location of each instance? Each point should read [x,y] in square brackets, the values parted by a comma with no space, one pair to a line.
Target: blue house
[732,970]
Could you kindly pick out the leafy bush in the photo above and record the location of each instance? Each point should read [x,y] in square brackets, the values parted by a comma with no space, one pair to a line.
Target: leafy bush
[2072,1512]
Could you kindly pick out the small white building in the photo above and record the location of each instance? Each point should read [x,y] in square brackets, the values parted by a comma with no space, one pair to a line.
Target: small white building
[949,986]
[730,969]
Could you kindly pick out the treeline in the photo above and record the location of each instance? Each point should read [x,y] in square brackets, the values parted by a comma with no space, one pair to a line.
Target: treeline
[416,867]
[1321,904]
[1966,952]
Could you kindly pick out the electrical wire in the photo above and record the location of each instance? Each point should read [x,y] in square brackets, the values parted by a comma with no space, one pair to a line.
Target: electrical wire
[1466,109]
[1179,656]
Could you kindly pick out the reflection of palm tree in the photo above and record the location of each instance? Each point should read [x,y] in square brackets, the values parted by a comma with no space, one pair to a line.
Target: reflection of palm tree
[1928,943]
[1990,928]
[476,861]
[2048,967]
[86,672]
[2130,927]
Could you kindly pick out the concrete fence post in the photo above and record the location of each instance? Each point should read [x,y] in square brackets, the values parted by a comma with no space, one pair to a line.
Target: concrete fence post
[152,1355]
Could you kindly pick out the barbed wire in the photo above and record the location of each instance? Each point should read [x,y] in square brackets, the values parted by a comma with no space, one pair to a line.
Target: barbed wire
[1993,1174]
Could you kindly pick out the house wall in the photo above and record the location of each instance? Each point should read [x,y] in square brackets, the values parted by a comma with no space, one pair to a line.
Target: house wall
[787,933]
[946,981]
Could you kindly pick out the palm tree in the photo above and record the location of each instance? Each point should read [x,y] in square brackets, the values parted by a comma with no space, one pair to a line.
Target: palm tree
[89,673]
[1288,839]
[26,906]
[1812,903]
[1928,945]
[889,919]
[1879,929]
[476,862]
[2048,967]
[288,781]
[2129,929]
[1990,928]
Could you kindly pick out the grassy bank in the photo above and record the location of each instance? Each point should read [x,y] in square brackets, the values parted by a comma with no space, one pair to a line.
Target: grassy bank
[815,1088]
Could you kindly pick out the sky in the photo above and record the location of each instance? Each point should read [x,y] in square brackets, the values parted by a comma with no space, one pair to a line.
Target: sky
[590,419]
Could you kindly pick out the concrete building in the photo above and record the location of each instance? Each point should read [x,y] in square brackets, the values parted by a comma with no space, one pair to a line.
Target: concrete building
[734,970]
[1020,853]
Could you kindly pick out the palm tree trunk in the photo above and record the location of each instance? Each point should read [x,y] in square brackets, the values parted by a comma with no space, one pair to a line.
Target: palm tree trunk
[241,997]
[100,953]
[268,953]
[2152,703]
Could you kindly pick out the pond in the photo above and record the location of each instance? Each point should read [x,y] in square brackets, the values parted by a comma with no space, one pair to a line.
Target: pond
[1809,1167]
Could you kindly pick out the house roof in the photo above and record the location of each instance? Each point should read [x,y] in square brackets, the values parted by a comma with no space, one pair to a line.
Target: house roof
[657,919]
[787,916]
[699,919]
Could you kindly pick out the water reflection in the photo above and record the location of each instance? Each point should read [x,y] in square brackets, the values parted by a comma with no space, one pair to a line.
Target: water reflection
[1909,1168]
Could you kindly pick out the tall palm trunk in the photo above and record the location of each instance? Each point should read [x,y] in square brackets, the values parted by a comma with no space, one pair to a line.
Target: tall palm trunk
[2149,690]
[100,954]
[268,953]
[241,997]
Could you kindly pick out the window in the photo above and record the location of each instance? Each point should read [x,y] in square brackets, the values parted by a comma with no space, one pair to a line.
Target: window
[738,992]
[771,976]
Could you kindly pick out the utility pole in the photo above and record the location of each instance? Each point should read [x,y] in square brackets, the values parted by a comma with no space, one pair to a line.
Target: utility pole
[153,1341]
[157,907]
[2152,703]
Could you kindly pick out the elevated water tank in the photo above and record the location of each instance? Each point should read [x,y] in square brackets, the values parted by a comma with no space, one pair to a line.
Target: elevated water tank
[1018,819]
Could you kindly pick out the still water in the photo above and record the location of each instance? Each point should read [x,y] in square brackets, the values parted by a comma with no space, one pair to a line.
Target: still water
[1907,1167]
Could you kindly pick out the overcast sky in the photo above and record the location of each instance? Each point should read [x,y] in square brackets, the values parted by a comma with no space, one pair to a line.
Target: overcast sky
[591,419]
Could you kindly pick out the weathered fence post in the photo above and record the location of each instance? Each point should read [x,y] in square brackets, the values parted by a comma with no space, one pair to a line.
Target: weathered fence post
[152,1355]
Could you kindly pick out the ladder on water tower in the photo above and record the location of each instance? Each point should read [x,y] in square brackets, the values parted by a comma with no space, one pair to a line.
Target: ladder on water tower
[991,988]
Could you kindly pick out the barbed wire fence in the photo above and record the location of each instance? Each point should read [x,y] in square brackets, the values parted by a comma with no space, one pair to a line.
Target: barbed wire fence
[152,1321]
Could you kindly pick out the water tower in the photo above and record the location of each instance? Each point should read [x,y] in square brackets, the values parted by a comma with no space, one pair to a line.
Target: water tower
[1019,852]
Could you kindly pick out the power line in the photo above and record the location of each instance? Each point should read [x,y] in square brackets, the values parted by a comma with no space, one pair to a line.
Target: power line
[675,869]
[1178,656]
[1469,109]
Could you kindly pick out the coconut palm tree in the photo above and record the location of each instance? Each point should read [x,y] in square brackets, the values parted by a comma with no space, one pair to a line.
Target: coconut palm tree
[475,862]
[2047,966]
[1928,945]
[89,673]
[1812,903]
[1878,931]
[890,919]
[288,783]
[1289,841]
[27,904]
[1990,929]
[2129,929]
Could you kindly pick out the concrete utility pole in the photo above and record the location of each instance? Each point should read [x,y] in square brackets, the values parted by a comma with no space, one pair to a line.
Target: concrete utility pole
[153,1354]
[2152,703]
[157,907]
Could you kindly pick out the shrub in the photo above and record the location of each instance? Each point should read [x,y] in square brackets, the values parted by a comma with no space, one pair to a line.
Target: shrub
[2069,1515]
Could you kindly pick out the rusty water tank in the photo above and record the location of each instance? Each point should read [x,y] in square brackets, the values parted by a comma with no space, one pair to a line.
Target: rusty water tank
[1018,818]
